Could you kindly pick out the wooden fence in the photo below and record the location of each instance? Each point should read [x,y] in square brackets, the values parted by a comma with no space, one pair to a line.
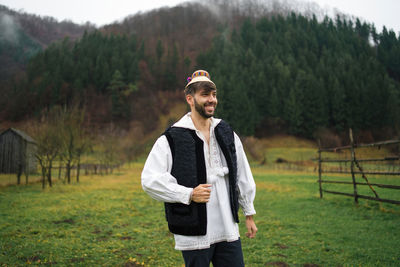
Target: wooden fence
[357,169]
[91,168]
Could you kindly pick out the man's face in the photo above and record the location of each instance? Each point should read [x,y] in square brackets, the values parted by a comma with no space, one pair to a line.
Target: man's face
[205,102]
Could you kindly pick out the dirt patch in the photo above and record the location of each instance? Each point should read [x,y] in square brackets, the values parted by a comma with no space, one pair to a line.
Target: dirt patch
[34,258]
[125,238]
[132,264]
[103,238]
[31,259]
[281,160]
[310,265]
[50,263]
[281,246]
[77,259]
[70,221]
[277,263]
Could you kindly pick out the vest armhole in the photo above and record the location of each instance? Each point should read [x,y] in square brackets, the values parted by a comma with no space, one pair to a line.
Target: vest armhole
[171,143]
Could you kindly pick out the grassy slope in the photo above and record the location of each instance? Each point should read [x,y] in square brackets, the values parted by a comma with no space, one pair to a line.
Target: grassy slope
[109,221]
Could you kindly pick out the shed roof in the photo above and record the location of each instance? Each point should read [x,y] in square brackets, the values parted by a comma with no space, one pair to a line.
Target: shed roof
[20,133]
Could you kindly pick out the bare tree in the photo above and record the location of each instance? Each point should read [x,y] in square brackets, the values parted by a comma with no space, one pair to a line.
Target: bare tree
[74,142]
[48,138]
[82,141]
[82,146]
[110,148]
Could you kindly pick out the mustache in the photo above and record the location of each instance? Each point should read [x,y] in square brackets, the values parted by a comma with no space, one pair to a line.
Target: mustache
[210,104]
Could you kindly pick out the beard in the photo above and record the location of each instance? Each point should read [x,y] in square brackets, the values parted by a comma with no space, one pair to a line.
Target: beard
[201,109]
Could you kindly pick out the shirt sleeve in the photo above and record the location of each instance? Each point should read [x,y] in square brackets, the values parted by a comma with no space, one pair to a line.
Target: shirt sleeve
[246,184]
[157,180]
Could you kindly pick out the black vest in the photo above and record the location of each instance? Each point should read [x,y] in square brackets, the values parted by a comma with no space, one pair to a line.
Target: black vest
[189,169]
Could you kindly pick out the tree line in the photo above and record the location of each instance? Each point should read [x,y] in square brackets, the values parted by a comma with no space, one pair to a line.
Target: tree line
[306,75]
[291,72]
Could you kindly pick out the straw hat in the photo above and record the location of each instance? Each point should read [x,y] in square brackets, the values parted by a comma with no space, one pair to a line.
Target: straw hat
[199,76]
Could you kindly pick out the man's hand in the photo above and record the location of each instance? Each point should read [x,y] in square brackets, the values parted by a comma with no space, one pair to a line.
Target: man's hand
[251,227]
[201,193]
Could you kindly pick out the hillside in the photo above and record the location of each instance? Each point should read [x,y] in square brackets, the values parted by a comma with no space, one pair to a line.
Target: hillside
[290,72]
[23,35]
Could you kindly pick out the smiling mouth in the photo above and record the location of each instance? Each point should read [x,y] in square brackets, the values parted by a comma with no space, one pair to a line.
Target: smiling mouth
[210,106]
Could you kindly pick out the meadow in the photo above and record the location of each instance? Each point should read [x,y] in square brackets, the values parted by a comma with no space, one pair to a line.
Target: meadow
[109,221]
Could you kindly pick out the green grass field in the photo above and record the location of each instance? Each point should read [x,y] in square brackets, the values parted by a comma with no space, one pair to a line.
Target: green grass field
[110,221]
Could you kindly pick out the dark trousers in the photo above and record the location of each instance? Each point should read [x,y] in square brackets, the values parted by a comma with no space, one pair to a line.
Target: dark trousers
[222,254]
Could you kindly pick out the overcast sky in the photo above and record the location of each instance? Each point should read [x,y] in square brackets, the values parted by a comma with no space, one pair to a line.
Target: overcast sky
[100,12]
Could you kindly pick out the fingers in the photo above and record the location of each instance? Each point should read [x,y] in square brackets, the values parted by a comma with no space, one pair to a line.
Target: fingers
[201,193]
[205,186]
[251,227]
[251,232]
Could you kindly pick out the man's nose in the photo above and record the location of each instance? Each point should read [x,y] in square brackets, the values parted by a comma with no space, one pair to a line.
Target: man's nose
[212,98]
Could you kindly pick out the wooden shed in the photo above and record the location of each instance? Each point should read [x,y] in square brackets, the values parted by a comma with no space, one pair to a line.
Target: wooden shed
[17,152]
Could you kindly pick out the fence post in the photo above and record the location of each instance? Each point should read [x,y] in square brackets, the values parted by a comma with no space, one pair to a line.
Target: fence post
[353,159]
[319,168]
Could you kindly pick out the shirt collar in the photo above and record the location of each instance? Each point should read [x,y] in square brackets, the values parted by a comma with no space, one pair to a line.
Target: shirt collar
[186,122]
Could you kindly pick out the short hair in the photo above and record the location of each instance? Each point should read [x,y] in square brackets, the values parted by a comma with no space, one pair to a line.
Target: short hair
[192,88]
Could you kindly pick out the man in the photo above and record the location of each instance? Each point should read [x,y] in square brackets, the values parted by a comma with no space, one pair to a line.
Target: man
[199,169]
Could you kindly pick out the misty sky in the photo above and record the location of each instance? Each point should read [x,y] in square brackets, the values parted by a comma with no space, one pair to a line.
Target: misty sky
[100,12]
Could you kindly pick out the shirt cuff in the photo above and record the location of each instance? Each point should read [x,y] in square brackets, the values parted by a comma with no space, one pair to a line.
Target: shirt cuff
[185,194]
[248,209]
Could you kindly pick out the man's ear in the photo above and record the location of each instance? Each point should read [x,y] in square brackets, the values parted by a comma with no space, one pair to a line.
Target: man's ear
[189,99]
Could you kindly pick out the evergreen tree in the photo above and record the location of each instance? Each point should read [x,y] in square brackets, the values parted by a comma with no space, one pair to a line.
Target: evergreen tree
[294,111]
[292,68]
[117,89]
[338,107]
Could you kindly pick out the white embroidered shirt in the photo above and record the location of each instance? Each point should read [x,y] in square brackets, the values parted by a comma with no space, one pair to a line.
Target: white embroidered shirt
[161,185]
